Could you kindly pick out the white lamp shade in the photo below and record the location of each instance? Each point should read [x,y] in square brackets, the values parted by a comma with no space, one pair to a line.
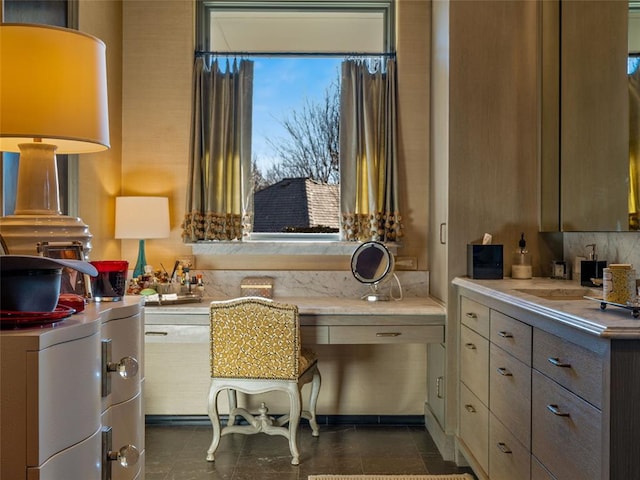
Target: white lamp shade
[53,88]
[142,217]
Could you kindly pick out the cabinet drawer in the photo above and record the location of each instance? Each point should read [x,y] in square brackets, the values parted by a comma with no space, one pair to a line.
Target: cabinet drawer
[386,334]
[510,400]
[474,363]
[508,458]
[574,367]
[314,335]
[475,316]
[511,335]
[538,472]
[176,334]
[568,442]
[474,426]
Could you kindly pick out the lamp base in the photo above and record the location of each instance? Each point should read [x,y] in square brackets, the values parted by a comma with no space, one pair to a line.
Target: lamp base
[22,233]
[141,262]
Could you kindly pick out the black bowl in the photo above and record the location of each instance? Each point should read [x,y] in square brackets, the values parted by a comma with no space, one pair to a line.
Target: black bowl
[33,290]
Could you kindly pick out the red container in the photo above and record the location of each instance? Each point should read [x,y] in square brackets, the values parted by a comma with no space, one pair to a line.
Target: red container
[110,284]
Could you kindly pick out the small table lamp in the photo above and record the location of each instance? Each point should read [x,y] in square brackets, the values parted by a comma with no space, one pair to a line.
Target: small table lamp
[53,98]
[142,218]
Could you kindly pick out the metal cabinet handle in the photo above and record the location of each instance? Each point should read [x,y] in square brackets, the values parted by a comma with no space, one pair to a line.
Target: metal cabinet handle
[127,456]
[503,447]
[470,346]
[471,315]
[504,334]
[556,361]
[439,387]
[443,236]
[469,408]
[556,411]
[504,372]
[156,334]
[127,367]
[388,334]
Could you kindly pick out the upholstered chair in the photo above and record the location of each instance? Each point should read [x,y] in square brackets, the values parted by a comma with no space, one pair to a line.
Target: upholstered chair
[255,348]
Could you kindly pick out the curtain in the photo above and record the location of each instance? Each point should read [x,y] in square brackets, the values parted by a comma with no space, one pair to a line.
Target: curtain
[219,193]
[634,150]
[368,160]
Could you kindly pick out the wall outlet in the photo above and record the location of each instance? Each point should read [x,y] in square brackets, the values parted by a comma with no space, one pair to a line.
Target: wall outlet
[406,263]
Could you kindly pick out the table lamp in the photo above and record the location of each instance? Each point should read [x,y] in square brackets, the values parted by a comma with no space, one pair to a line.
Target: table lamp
[142,218]
[53,98]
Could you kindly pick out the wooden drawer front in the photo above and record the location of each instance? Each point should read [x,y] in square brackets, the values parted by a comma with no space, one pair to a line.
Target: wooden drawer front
[61,414]
[475,316]
[508,458]
[538,472]
[314,335]
[80,461]
[474,363]
[512,336]
[386,334]
[510,386]
[574,367]
[125,335]
[474,426]
[569,446]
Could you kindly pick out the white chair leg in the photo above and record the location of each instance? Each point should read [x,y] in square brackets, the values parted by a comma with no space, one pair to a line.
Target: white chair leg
[233,404]
[294,419]
[313,401]
[215,423]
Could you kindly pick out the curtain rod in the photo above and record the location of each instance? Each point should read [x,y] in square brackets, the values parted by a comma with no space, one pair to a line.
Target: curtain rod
[201,53]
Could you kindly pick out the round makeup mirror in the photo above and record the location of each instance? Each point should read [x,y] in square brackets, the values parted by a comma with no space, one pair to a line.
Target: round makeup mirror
[371,263]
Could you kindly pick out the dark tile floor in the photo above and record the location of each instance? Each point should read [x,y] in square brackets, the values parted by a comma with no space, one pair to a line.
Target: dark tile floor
[178,453]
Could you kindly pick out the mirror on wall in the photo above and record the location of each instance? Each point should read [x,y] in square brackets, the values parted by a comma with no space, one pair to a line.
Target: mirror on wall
[585,117]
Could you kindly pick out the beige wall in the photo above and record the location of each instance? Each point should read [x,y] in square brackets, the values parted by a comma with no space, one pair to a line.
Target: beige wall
[157,53]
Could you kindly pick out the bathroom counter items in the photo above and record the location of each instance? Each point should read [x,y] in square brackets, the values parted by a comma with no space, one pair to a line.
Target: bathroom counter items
[561,299]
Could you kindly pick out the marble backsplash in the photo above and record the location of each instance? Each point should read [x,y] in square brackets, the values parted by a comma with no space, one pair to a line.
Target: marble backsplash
[226,283]
[614,247]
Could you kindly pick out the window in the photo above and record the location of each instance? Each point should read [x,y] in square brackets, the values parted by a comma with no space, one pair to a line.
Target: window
[297,48]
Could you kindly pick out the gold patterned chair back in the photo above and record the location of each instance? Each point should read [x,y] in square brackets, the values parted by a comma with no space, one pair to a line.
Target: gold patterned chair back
[256,338]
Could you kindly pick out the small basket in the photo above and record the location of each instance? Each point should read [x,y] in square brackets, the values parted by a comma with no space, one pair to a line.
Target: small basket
[257,287]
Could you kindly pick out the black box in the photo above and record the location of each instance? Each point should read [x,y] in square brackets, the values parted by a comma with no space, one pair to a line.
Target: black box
[485,262]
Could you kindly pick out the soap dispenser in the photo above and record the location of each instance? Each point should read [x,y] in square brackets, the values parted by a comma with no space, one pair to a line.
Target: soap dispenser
[521,267]
[592,269]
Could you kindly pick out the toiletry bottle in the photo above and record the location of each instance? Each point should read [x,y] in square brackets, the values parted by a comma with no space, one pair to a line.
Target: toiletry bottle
[592,269]
[521,267]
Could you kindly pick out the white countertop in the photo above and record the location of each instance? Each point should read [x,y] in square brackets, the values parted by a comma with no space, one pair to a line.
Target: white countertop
[77,325]
[583,314]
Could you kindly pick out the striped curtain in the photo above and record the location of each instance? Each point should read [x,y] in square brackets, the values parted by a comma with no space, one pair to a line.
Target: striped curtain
[368,158]
[219,193]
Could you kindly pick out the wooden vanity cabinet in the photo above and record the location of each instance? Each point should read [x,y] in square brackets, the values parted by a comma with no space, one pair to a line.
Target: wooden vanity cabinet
[562,403]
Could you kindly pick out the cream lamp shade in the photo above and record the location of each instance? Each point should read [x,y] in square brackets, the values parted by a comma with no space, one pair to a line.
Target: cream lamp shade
[53,98]
[142,218]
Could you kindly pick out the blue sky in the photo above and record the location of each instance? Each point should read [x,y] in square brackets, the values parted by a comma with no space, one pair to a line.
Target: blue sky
[281,85]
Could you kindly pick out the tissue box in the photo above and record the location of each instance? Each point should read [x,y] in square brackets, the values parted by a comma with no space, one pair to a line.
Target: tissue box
[485,262]
[257,287]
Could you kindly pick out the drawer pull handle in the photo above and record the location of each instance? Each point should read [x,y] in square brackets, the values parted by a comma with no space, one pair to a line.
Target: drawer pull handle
[556,361]
[471,315]
[470,346]
[388,334]
[439,387]
[504,372]
[469,408]
[556,411]
[504,334]
[503,447]
[156,334]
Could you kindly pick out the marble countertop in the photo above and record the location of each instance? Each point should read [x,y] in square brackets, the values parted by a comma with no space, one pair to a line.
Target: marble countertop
[319,305]
[572,310]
